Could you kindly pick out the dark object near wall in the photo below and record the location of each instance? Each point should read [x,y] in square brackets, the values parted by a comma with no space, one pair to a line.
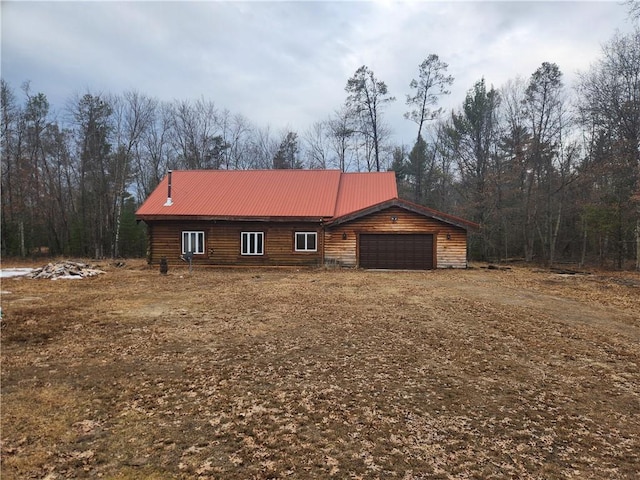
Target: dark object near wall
[164,267]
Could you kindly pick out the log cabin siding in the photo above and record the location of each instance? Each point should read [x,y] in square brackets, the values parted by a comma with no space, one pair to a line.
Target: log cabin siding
[449,252]
[452,252]
[223,239]
[335,244]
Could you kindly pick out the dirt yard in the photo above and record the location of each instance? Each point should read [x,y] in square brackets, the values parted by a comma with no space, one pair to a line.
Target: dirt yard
[255,374]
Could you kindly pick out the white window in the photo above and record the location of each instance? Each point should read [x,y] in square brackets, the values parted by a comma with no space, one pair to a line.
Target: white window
[252,243]
[193,242]
[306,242]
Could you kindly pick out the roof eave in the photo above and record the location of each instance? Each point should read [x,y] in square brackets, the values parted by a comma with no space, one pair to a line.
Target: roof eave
[226,218]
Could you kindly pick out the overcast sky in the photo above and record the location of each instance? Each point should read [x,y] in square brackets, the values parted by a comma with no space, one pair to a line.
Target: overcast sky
[285,64]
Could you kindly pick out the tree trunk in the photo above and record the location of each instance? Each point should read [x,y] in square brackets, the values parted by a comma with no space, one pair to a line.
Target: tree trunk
[583,255]
[115,248]
[638,244]
[554,237]
[118,207]
[528,244]
[23,250]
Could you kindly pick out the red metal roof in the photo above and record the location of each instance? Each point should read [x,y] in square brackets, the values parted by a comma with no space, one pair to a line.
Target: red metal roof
[361,190]
[268,193]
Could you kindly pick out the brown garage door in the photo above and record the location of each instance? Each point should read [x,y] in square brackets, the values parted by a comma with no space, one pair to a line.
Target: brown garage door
[410,251]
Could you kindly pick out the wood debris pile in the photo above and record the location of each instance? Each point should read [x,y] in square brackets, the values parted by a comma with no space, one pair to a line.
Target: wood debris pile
[65,270]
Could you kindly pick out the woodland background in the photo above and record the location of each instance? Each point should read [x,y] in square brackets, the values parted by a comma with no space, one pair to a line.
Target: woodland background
[550,171]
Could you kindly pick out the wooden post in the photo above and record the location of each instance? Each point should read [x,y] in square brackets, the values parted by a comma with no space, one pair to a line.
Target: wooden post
[164,267]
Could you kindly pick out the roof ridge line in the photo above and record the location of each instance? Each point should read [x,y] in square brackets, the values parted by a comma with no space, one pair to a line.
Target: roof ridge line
[337,196]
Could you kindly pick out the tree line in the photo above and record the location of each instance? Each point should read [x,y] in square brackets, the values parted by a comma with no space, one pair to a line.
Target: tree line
[549,171]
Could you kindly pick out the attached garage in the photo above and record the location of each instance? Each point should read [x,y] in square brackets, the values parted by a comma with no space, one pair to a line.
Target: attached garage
[397,235]
[396,251]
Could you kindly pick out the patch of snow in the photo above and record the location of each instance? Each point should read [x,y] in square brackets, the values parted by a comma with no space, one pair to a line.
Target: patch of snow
[67,277]
[15,272]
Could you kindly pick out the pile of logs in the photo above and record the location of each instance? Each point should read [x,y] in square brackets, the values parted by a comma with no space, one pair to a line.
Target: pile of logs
[65,270]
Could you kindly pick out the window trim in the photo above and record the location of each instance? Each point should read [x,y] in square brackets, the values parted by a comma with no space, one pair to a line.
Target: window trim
[306,242]
[249,235]
[199,242]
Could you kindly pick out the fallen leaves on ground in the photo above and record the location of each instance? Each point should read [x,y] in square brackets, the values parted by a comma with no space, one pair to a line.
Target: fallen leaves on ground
[322,374]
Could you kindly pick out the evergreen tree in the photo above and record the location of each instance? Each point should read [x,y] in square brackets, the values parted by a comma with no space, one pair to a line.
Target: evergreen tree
[287,155]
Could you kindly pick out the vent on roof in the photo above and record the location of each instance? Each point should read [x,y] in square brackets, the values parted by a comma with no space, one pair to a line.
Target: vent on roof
[169,202]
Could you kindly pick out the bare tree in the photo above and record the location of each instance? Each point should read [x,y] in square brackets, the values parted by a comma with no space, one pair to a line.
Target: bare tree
[317,145]
[432,83]
[13,238]
[544,105]
[196,136]
[133,115]
[610,114]
[236,132]
[155,153]
[511,171]
[263,148]
[366,99]
[341,132]
[59,187]
[633,7]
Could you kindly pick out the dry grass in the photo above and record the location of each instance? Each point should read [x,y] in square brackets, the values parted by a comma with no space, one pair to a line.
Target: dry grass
[318,374]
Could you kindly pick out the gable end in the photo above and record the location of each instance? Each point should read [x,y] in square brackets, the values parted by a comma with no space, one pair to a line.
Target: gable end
[412,207]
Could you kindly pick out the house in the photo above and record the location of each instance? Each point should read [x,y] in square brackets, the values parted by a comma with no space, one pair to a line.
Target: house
[297,217]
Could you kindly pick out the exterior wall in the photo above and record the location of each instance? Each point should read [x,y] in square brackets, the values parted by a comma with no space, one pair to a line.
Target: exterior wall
[450,252]
[222,243]
[222,240]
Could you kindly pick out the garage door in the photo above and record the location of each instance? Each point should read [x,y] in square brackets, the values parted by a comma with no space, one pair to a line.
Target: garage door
[410,251]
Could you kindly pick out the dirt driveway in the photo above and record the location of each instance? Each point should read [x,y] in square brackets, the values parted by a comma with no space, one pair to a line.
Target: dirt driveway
[226,373]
